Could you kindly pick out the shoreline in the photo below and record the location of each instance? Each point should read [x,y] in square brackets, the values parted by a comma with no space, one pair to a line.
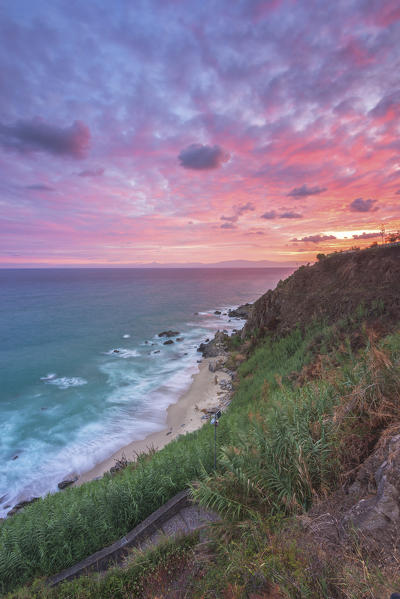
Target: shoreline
[185,415]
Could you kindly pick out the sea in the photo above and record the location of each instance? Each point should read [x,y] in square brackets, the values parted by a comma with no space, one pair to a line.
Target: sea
[83,370]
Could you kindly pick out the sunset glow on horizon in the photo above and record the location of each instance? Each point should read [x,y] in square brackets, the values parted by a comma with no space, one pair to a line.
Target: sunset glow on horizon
[179,132]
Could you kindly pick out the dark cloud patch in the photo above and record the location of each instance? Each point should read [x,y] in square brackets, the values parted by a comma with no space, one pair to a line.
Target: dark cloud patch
[315,238]
[360,205]
[38,136]
[202,158]
[239,210]
[387,105]
[243,208]
[290,214]
[232,219]
[304,191]
[367,235]
[398,192]
[269,215]
[92,172]
[228,226]
[39,187]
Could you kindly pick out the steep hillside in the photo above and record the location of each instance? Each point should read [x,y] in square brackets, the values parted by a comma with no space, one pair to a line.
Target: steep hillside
[334,287]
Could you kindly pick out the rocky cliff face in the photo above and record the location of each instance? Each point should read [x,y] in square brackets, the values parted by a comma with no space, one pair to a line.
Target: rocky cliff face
[331,289]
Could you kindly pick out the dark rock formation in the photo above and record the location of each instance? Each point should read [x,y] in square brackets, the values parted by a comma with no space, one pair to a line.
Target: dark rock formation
[168,342]
[21,505]
[215,347]
[241,312]
[67,482]
[217,312]
[168,334]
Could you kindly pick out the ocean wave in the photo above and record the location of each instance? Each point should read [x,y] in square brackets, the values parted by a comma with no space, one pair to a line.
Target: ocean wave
[65,382]
[48,377]
[122,352]
[126,336]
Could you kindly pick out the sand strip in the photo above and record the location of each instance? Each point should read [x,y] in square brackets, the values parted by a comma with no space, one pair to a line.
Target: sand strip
[182,417]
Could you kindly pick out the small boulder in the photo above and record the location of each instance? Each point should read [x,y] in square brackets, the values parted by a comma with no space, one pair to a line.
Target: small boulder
[217,312]
[168,342]
[67,482]
[179,339]
[168,334]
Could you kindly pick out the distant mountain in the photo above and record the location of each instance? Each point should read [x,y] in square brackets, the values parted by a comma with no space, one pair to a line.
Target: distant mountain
[224,264]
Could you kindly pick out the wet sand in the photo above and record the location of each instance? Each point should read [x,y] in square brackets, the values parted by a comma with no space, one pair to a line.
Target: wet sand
[184,416]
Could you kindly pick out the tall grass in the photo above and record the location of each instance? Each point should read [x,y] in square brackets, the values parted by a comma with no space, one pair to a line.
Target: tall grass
[301,439]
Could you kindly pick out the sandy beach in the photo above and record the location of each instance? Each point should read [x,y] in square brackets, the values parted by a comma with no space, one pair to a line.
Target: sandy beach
[184,416]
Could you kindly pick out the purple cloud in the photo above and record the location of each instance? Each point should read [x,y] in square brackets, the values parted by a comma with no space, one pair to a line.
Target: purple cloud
[269,215]
[37,136]
[92,172]
[228,226]
[398,192]
[39,187]
[304,191]
[201,158]
[367,235]
[243,208]
[239,210]
[315,238]
[290,214]
[360,205]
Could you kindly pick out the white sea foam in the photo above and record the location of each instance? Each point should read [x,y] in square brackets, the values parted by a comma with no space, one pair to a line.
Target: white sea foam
[122,352]
[65,382]
[126,336]
[48,377]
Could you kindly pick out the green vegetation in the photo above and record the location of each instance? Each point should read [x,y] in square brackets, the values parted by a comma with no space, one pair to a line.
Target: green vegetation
[303,404]
[144,575]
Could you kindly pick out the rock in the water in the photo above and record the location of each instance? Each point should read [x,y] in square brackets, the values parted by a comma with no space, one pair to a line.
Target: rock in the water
[241,312]
[168,342]
[179,339]
[217,312]
[21,505]
[67,482]
[116,351]
[168,334]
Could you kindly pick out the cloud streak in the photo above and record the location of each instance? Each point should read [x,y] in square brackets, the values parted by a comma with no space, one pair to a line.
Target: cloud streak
[38,136]
[304,191]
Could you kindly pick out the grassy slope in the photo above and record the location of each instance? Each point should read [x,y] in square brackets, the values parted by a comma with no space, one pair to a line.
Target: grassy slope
[281,448]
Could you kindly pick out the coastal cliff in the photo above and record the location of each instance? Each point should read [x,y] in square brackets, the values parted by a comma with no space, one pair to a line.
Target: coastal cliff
[334,287]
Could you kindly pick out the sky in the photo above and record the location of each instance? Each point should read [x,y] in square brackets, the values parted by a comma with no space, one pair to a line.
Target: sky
[178,131]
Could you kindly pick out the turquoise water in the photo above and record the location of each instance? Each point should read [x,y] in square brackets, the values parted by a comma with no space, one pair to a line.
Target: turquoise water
[67,400]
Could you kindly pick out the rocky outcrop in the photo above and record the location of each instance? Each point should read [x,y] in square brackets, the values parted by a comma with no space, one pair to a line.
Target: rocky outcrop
[67,482]
[21,505]
[369,508]
[215,347]
[241,311]
[332,288]
[379,481]
[168,342]
[168,334]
